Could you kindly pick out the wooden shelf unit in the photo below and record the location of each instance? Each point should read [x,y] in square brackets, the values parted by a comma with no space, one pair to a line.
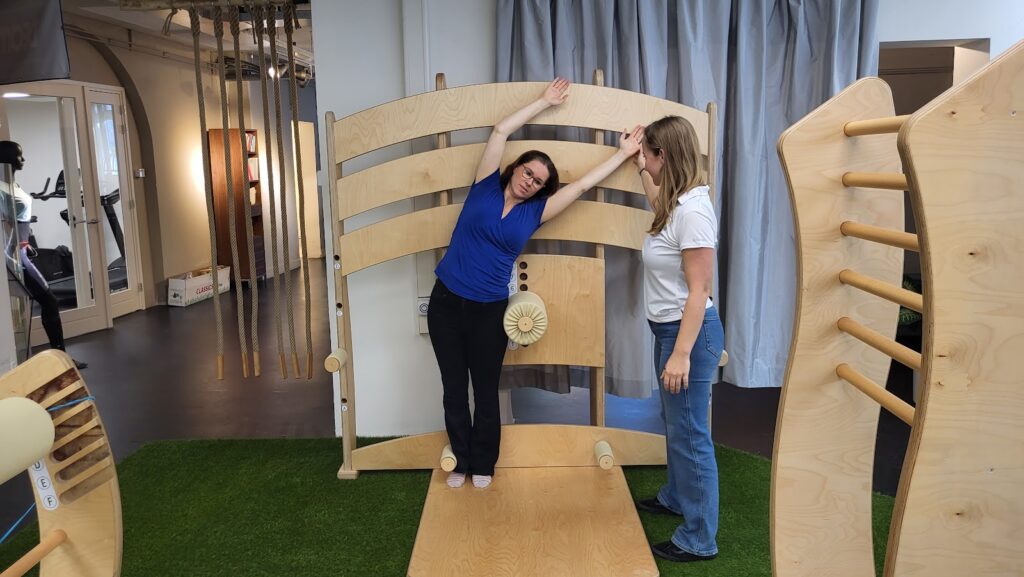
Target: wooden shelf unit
[250,161]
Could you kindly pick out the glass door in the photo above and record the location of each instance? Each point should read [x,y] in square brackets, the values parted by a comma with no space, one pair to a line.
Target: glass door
[114,185]
[46,120]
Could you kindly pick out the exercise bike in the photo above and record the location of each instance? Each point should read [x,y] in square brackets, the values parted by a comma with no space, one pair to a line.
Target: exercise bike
[57,264]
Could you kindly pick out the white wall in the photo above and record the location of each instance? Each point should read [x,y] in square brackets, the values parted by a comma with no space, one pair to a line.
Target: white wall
[1002,21]
[386,50]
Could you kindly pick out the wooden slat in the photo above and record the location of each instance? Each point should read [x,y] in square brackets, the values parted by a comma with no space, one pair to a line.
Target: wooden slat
[902,296]
[71,412]
[584,221]
[960,506]
[79,455]
[887,125]
[877,341]
[63,441]
[826,431]
[486,104]
[888,236]
[455,167]
[891,402]
[883,180]
[55,399]
[93,469]
[522,446]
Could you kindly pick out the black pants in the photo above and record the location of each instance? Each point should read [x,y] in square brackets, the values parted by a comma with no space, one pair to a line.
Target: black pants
[469,341]
[49,309]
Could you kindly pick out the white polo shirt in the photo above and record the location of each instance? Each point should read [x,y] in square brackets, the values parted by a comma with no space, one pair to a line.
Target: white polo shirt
[692,225]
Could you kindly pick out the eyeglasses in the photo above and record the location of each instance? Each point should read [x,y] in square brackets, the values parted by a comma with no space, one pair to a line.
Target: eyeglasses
[528,174]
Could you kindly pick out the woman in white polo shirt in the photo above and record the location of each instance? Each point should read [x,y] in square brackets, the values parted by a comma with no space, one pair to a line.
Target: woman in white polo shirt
[679,256]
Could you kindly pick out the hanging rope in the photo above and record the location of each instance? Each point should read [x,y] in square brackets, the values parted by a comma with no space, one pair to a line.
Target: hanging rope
[218,29]
[258,14]
[289,19]
[193,15]
[286,254]
[254,293]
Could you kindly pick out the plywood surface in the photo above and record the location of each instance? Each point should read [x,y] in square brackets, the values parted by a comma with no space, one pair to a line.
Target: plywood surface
[535,522]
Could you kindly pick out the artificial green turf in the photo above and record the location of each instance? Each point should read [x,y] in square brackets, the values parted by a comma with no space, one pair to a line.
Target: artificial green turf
[275,508]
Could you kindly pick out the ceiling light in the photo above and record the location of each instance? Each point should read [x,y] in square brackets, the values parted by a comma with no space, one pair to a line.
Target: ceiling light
[15,95]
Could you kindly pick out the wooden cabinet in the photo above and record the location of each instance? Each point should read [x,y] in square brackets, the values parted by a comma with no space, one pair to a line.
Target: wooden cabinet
[248,161]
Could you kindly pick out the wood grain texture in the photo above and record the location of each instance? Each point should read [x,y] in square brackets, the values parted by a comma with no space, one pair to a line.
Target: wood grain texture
[960,505]
[572,288]
[455,167]
[81,469]
[486,104]
[585,221]
[825,436]
[522,446]
[548,522]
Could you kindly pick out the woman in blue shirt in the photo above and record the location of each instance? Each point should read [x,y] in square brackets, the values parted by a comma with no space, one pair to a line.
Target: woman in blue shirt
[469,298]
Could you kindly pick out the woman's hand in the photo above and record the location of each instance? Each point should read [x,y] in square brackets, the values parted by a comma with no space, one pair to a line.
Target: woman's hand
[629,142]
[676,375]
[556,92]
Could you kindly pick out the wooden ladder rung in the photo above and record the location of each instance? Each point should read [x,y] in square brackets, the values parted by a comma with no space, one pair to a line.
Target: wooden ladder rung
[875,340]
[81,454]
[84,475]
[71,412]
[884,180]
[55,399]
[891,402]
[92,424]
[886,125]
[896,238]
[881,289]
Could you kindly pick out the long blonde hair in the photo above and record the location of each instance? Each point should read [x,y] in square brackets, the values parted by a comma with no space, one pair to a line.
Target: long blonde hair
[675,140]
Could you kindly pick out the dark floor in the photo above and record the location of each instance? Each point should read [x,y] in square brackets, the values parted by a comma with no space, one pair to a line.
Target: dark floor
[153,374]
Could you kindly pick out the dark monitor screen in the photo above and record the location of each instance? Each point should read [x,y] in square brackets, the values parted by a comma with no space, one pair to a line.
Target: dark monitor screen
[32,43]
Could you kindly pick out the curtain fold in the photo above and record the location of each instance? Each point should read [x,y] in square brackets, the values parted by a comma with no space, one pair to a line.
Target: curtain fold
[765,64]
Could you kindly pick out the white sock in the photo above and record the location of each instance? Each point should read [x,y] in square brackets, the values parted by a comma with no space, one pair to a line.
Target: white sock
[481,481]
[456,480]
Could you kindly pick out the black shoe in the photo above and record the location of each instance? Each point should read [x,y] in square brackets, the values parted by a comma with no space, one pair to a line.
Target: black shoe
[655,506]
[668,550]
[80,365]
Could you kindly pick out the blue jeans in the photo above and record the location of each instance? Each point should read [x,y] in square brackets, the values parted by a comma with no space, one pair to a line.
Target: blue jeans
[692,487]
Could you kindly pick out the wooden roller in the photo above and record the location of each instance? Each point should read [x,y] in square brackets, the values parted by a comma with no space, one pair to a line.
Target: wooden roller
[26,435]
[724,359]
[605,457]
[448,460]
[526,318]
[335,361]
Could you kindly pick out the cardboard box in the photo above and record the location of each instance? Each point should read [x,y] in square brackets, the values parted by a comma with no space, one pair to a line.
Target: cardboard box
[196,286]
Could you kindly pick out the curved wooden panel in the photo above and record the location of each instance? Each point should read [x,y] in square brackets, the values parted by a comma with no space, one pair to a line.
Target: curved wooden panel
[572,288]
[521,446]
[76,487]
[960,504]
[825,437]
[485,104]
[584,221]
[455,167]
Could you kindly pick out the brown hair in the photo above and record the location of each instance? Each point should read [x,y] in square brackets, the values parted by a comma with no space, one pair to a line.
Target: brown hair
[674,139]
[550,185]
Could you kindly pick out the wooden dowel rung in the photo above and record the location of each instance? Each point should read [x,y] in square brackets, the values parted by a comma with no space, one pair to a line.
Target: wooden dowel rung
[886,125]
[336,361]
[880,343]
[884,290]
[93,423]
[46,546]
[885,180]
[891,402]
[896,238]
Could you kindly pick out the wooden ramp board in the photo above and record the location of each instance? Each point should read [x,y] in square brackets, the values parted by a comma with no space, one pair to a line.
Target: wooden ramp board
[533,522]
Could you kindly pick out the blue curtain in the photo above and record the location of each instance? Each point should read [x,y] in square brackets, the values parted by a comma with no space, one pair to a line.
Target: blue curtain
[766,63]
